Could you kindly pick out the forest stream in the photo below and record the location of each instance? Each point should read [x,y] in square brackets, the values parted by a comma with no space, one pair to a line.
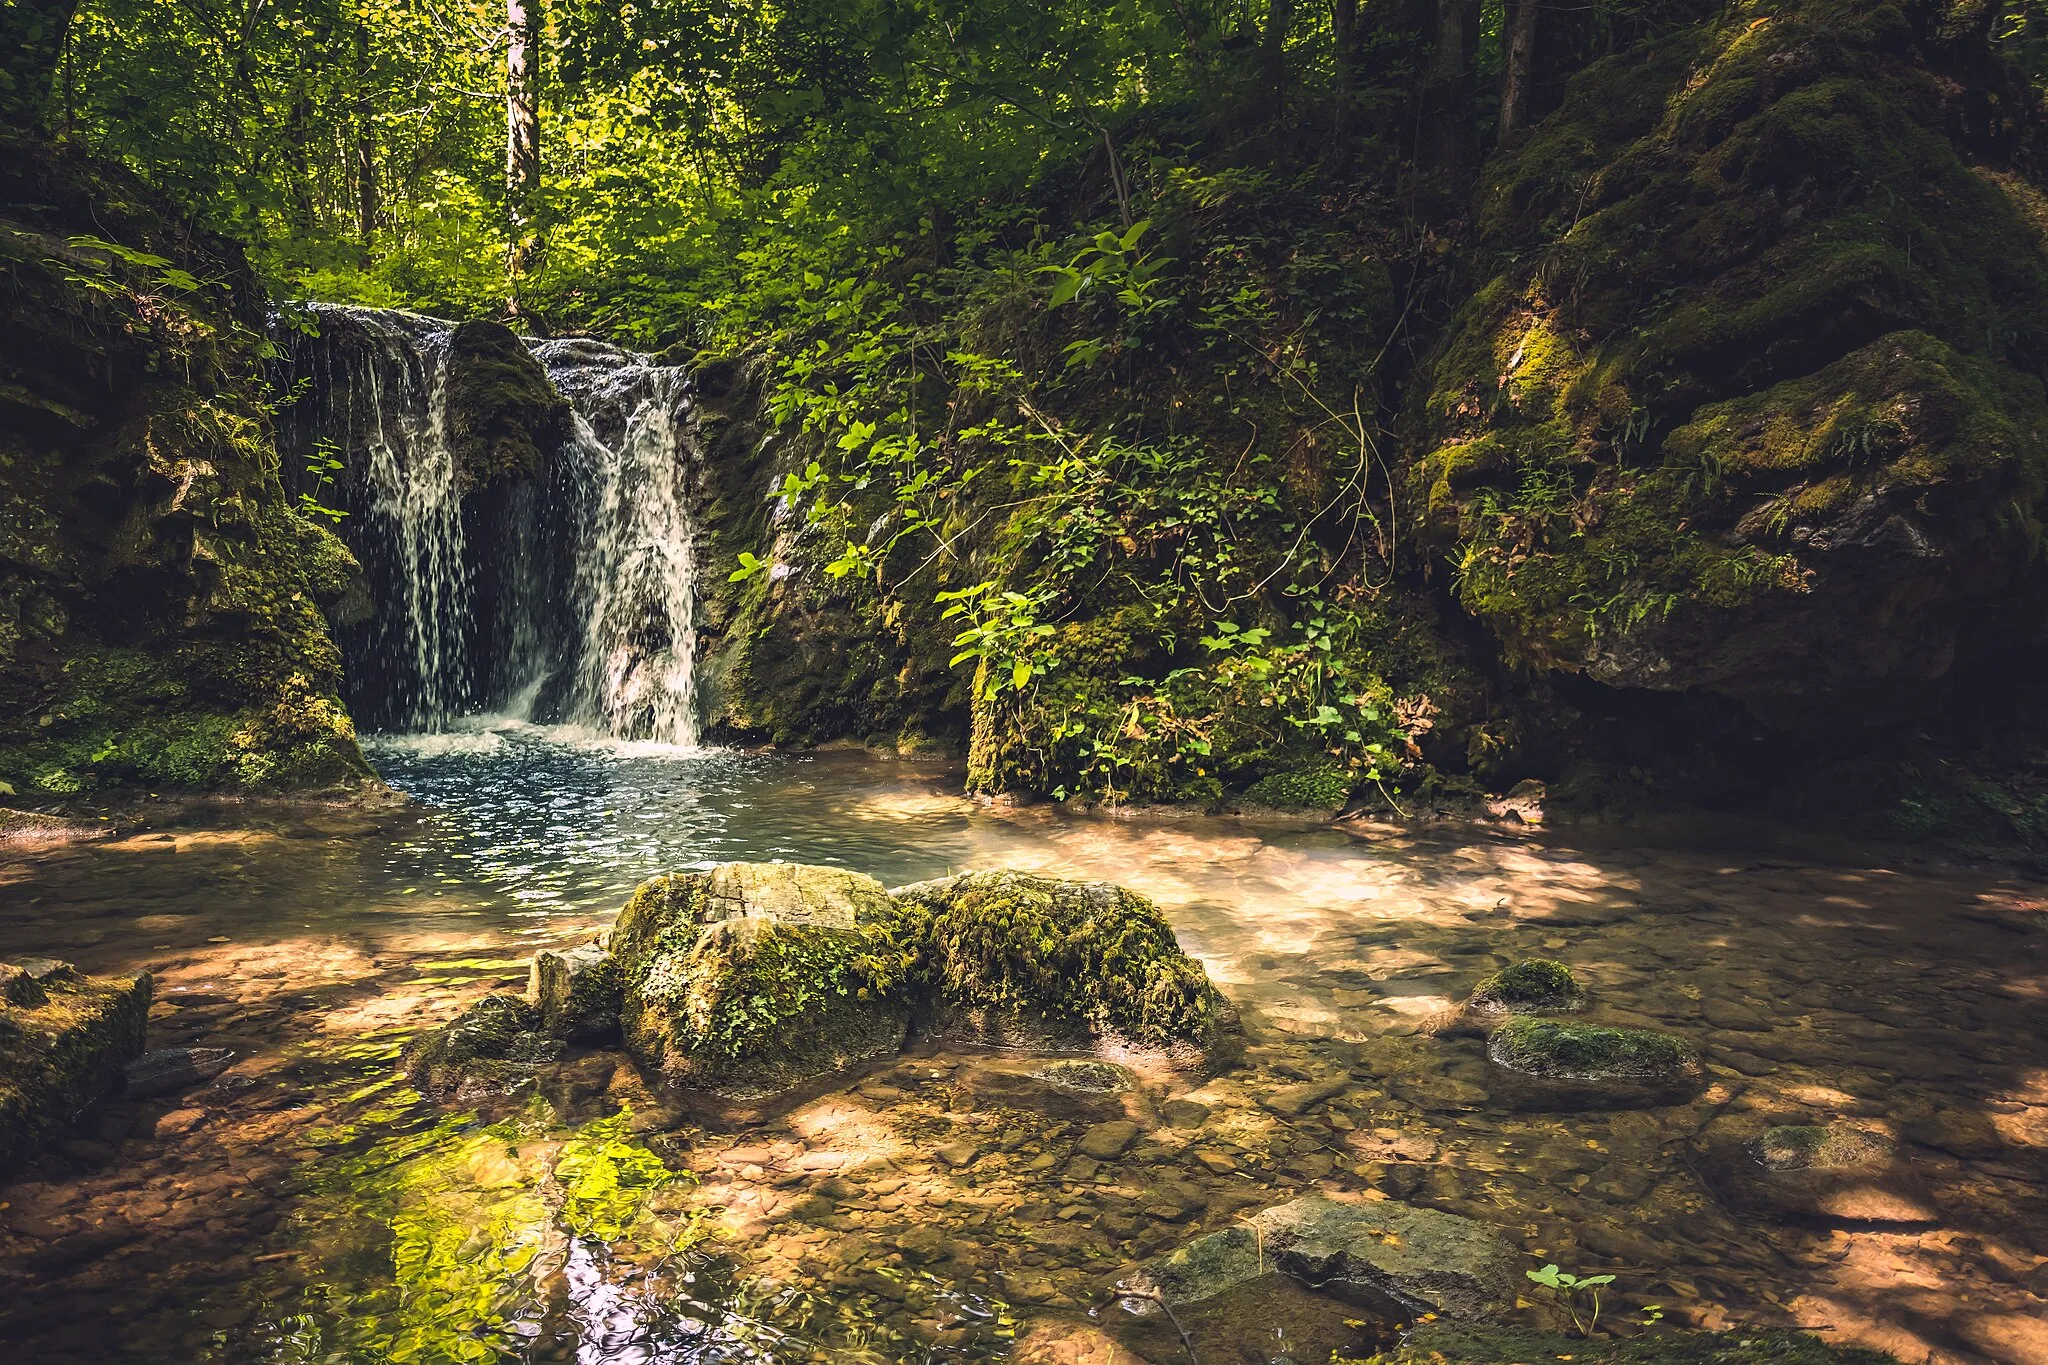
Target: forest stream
[306,1204]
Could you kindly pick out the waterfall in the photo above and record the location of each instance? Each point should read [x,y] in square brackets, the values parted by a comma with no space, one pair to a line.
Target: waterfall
[566,599]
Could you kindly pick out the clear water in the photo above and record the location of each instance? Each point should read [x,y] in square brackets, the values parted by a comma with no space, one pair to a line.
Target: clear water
[308,1207]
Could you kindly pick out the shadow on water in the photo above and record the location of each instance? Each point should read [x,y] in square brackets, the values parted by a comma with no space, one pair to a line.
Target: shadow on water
[306,1207]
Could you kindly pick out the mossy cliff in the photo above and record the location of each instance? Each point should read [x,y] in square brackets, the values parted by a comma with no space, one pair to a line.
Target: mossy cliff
[160,599]
[1748,396]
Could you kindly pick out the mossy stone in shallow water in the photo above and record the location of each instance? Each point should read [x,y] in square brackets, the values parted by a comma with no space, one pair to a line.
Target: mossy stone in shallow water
[1013,959]
[1534,986]
[577,991]
[753,979]
[1547,1063]
[63,1040]
[495,1047]
[1459,1343]
[1832,1173]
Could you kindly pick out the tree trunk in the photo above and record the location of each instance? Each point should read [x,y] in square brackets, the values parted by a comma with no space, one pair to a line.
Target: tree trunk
[1279,19]
[1344,40]
[366,145]
[1446,146]
[522,105]
[32,34]
[1519,68]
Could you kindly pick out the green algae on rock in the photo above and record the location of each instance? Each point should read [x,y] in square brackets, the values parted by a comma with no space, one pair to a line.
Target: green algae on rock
[63,1041]
[1546,1063]
[1013,959]
[1532,986]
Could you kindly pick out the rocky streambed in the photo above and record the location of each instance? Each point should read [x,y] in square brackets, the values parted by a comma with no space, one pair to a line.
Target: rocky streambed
[1849,1133]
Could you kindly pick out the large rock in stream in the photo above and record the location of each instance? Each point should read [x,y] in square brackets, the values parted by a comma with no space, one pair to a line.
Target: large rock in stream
[1388,1257]
[756,982]
[63,1040]
[752,980]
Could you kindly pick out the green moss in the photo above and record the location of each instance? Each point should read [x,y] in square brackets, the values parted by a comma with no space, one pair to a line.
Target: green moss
[1743,290]
[1445,1343]
[1534,985]
[493,1047]
[1324,786]
[62,1045]
[503,413]
[1088,955]
[1548,1048]
[1802,1147]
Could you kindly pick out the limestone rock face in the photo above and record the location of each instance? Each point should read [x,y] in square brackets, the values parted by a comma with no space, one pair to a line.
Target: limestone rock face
[160,595]
[503,413]
[1391,1257]
[755,979]
[63,1040]
[1026,961]
[576,991]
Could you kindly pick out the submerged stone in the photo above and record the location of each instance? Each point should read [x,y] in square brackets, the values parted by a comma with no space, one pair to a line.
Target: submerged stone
[495,1047]
[1386,1256]
[1533,986]
[1546,1063]
[577,991]
[1018,960]
[1834,1172]
[173,1068]
[63,1040]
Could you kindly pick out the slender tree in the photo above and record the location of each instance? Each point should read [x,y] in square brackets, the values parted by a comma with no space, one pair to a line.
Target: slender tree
[522,104]
[1519,67]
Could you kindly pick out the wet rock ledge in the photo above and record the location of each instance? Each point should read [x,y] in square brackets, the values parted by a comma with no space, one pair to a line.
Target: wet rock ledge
[751,985]
[63,1041]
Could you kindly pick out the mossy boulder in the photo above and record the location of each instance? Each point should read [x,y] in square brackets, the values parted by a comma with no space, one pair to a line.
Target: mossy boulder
[1013,959]
[1316,787]
[504,416]
[577,991]
[64,1038]
[1533,986]
[1749,398]
[495,1047]
[1551,1064]
[160,598]
[1464,1343]
[753,980]
[1840,1172]
[1393,1258]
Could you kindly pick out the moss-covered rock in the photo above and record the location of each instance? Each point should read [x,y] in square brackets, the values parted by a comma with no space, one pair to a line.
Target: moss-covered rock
[1457,1343]
[1750,395]
[160,601]
[752,980]
[577,991]
[1532,986]
[63,1040]
[1021,960]
[1837,1172]
[495,1047]
[1321,786]
[1546,1063]
[504,416]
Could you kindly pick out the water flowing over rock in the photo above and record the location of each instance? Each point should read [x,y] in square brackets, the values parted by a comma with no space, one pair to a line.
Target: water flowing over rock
[523,516]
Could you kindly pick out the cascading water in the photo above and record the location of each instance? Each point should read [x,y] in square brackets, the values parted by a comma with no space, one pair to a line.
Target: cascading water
[565,599]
